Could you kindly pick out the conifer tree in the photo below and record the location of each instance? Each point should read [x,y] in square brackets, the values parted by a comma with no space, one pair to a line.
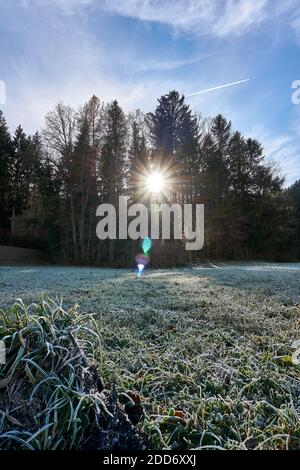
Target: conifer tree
[6,150]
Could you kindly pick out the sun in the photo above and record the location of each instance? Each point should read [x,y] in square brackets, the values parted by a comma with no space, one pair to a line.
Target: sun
[155,182]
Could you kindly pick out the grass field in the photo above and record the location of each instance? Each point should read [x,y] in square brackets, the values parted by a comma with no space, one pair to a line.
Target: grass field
[208,349]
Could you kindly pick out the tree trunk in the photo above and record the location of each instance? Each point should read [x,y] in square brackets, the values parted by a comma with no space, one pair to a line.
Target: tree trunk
[74,237]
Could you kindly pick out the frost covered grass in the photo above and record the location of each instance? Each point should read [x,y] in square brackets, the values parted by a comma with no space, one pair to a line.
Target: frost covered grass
[208,350]
[52,397]
[44,403]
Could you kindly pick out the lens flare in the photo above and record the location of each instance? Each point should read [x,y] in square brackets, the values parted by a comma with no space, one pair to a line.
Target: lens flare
[146,245]
[141,268]
[142,259]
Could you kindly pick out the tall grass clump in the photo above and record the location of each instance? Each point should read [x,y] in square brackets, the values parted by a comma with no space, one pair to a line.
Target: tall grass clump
[51,396]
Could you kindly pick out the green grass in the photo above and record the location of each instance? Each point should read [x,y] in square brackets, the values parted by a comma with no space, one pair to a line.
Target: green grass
[209,351]
[226,367]
[45,402]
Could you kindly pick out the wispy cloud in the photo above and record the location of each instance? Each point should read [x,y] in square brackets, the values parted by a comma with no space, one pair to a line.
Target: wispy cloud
[217,17]
[240,15]
[197,17]
[67,6]
[285,150]
[295,25]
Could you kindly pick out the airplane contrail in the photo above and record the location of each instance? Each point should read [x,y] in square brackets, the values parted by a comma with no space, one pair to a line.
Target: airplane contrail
[218,87]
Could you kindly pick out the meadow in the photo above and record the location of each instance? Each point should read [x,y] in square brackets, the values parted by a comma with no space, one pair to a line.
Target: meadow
[207,349]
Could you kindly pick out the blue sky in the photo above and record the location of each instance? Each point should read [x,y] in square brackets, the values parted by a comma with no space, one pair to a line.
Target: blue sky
[136,50]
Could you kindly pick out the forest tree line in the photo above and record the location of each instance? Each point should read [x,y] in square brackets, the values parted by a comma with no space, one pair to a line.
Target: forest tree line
[52,182]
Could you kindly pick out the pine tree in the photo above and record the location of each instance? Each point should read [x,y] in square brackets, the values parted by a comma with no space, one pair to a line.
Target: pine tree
[174,135]
[112,165]
[84,187]
[20,172]
[293,197]
[53,224]
[112,161]
[6,150]
[138,158]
